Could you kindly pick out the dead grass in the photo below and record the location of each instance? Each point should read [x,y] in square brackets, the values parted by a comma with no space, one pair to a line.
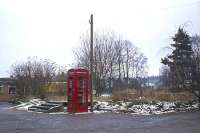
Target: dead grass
[57,98]
[152,95]
[134,95]
[102,98]
[165,95]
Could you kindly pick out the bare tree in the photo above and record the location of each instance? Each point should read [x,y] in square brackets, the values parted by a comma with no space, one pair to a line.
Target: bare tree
[165,76]
[119,57]
[112,60]
[32,76]
[127,47]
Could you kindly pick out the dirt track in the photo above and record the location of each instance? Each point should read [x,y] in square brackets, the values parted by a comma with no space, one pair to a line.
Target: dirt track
[13,121]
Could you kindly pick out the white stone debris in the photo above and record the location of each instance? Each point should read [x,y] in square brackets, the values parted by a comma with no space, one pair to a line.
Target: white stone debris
[135,108]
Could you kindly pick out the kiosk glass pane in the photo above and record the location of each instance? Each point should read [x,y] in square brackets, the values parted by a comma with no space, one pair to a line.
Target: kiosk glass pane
[70,89]
[81,93]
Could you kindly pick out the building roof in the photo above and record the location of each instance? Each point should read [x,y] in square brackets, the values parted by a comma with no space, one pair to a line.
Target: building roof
[7,81]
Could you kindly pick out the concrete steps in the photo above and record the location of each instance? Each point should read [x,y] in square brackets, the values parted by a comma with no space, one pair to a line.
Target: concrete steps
[48,107]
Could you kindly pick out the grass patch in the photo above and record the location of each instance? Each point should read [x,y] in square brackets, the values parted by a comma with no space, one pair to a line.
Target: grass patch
[151,95]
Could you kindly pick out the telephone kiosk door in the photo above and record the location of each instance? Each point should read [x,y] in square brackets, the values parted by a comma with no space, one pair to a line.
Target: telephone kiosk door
[77,90]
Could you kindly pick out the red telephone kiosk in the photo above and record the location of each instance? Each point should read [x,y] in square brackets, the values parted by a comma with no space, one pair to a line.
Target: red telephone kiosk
[77,90]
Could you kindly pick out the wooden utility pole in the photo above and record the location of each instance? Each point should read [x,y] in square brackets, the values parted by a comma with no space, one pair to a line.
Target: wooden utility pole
[91,63]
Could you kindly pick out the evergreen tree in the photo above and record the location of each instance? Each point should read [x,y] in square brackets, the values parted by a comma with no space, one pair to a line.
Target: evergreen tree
[180,60]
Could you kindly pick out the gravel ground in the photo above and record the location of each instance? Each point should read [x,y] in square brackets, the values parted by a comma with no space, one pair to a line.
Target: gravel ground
[14,121]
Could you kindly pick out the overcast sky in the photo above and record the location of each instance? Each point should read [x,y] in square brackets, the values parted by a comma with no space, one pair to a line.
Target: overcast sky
[50,29]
